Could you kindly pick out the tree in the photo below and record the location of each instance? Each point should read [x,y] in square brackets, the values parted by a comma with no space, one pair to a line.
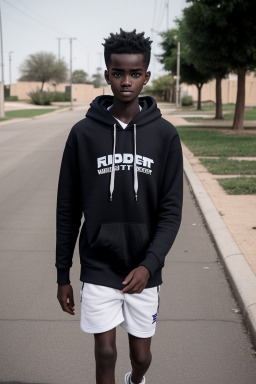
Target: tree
[206,51]
[189,73]
[162,88]
[43,67]
[235,25]
[97,79]
[79,77]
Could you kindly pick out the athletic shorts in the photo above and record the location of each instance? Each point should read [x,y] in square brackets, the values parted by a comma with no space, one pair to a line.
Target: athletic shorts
[104,308]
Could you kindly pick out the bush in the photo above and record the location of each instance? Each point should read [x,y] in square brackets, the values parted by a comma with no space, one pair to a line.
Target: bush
[61,96]
[187,101]
[12,98]
[41,97]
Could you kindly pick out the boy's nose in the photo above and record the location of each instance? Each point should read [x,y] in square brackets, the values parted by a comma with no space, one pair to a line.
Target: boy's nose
[126,81]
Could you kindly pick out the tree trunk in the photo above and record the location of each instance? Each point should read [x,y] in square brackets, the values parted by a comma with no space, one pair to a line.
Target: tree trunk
[42,86]
[218,112]
[238,123]
[199,88]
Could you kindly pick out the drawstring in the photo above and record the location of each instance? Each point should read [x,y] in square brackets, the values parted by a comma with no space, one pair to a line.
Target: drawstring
[113,170]
[134,164]
[112,179]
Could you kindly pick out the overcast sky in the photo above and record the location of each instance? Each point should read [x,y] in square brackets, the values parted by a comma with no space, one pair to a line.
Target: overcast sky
[31,26]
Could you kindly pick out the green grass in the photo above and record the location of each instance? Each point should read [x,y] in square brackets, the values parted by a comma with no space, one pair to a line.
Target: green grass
[212,142]
[239,185]
[249,114]
[27,113]
[224,166]
[229,106]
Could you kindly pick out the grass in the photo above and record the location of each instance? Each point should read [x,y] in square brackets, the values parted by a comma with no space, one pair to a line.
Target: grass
[249,114]
[225,166]
[212,142]
[27,113]
[228,106]
[239,185]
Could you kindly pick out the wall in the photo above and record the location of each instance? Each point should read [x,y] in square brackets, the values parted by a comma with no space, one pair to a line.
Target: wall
[80,92]
[229,90]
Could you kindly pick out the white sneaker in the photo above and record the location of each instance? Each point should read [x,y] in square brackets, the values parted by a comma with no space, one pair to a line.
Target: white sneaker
[127,379]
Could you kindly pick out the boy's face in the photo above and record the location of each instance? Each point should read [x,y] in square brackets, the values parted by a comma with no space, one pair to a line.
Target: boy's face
[127,74]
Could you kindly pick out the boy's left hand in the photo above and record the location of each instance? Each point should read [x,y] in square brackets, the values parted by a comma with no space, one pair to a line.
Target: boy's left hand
[136,281]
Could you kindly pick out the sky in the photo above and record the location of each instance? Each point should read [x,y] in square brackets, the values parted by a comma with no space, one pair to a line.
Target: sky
[32,26]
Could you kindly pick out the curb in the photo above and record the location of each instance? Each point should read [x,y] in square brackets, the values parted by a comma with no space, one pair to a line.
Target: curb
[23,119]
[241,277]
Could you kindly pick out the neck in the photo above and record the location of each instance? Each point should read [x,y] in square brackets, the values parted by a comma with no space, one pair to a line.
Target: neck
[125,111]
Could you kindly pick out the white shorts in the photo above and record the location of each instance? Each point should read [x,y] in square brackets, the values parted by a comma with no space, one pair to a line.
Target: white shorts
[104,308]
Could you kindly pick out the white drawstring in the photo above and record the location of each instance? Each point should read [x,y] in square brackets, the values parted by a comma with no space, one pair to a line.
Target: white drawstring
[113,170]
[134,164]
[112,178]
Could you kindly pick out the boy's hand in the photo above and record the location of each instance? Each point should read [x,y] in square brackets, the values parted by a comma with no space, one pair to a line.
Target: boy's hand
[65,297]
[136,281]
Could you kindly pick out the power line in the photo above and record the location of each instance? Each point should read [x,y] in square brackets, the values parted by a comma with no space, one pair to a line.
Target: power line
[161,14]
[44,20]
[36,20]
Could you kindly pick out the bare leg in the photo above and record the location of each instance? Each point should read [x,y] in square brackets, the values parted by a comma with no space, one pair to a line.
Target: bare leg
[140,356]
[105,357]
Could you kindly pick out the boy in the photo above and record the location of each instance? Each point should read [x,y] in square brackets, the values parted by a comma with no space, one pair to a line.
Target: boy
[121,168]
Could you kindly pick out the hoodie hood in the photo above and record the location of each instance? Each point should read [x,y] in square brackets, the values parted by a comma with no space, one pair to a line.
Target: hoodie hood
[98,111]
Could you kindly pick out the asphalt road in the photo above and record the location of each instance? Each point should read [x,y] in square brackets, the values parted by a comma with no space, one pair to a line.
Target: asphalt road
[200,337]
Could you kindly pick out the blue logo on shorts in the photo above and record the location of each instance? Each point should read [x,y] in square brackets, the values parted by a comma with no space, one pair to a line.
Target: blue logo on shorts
[154,318]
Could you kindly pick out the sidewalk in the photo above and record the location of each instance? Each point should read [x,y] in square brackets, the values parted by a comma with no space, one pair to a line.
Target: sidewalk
[231,221]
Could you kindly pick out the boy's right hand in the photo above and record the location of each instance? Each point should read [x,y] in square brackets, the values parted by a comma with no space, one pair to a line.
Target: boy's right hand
[66,299]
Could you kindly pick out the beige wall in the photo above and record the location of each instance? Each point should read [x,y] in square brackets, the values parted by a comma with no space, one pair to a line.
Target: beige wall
[80,92]
[229,90]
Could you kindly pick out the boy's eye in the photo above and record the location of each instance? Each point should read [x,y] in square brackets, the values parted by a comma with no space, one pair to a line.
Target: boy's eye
[116,74]
[136,75]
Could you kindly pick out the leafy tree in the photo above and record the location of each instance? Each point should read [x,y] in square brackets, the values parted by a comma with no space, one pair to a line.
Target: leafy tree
[206,49]
[188,72]
[162,87]
[43,67]
[79,77]
[97,79]
[235,28]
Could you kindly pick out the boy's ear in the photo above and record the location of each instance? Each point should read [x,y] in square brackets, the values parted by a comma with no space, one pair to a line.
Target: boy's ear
[147,77]
[107,77]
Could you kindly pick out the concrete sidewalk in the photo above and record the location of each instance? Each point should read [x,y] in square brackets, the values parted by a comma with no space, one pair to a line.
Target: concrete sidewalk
[240,267]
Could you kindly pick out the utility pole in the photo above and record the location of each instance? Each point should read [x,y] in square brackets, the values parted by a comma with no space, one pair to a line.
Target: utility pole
[178,77]
[10,70]
[167,14]
[71,40]
[59,39]
[2,114]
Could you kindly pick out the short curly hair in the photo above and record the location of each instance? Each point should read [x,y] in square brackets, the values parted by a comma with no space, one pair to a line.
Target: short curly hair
[127,42]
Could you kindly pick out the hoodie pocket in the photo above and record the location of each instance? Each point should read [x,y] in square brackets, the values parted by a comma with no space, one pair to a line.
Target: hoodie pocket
[122,245]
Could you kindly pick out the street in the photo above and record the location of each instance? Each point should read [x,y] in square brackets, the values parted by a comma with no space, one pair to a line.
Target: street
[200,337]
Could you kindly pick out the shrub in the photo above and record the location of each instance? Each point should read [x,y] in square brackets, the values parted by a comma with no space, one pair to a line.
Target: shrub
[12,98]
[41,97]
[187,101]
[61,96]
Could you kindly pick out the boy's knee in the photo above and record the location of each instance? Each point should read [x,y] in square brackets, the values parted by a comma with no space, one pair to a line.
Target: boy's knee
[106,354]
[141,360]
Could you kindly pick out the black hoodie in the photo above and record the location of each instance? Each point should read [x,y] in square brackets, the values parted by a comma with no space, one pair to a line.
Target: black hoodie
[132,208]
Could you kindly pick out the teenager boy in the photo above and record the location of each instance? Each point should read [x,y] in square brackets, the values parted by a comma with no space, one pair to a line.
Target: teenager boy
[121,169]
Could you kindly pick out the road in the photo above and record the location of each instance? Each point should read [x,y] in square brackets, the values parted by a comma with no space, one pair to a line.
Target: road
[200,336]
